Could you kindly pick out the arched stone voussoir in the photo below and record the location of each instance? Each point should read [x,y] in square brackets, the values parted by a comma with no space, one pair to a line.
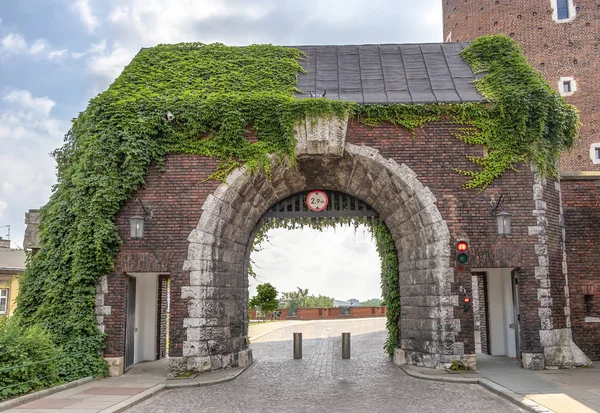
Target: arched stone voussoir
[220,247]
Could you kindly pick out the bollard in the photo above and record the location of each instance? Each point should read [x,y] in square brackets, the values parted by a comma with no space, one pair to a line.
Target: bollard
[345,345]
[297,346]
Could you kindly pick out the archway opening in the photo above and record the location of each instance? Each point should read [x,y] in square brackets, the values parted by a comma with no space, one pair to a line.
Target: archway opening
[318,272]
[219,249]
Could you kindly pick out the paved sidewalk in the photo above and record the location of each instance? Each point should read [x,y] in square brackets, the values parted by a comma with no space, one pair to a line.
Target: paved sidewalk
[560,391]
[141,381]
[569,391]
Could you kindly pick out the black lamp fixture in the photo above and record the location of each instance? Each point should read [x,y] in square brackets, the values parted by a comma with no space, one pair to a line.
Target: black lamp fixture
[136,223]
[503,219]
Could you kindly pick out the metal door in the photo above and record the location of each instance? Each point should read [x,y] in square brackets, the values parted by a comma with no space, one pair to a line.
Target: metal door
[130,322]
[517,317]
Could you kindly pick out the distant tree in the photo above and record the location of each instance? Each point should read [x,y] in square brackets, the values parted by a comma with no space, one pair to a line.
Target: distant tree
[373,302]
[301,299]
[265,299]
[319,302]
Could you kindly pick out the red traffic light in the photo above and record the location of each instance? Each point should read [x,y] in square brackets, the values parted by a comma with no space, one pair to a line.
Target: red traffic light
[467,300]
[462,246]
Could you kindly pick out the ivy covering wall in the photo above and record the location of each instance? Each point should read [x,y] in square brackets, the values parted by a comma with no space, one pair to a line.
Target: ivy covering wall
[215,93]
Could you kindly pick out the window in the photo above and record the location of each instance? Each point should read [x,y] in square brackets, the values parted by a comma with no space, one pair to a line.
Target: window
[563,11]
[595,153]
[3,300]
[567,86]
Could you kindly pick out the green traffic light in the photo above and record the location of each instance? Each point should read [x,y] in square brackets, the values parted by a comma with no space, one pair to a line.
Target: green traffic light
[462,258]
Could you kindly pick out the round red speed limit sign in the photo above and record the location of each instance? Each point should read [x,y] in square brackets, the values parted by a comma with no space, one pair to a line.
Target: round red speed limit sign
[317,201]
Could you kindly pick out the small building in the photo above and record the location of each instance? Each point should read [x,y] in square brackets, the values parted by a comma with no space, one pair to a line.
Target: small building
[341,303]
[12,264]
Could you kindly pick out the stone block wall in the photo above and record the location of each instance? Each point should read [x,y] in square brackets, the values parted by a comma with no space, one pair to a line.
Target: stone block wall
[534,247]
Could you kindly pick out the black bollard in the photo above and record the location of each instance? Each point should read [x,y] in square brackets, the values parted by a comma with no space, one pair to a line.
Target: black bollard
[345,345]
[297,346]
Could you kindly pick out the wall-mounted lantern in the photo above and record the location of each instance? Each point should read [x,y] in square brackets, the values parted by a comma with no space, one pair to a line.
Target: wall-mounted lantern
[137,227]
[504,220]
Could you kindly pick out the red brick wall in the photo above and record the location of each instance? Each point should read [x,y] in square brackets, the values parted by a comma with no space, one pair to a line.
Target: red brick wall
[555,49]
[434,155]
[326,313]
[176,195]
[581,206]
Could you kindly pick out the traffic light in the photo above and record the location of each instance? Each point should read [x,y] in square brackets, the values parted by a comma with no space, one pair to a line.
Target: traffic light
[467,301]
[462,253]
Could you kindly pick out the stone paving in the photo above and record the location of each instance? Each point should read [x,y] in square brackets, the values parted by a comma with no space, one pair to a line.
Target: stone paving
[101,395]
[322,381]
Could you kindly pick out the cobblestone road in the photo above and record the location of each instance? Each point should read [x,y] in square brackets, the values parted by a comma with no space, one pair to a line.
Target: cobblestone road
[322,381]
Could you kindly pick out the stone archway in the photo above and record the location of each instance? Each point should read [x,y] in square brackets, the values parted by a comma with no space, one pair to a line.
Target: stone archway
[217,326]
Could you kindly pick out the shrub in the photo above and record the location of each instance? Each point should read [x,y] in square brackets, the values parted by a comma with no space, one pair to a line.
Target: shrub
[28,359]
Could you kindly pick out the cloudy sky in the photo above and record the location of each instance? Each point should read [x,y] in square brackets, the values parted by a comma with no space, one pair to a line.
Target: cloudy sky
[57,54]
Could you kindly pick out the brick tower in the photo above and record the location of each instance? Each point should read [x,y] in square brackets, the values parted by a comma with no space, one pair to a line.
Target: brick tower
[560,38]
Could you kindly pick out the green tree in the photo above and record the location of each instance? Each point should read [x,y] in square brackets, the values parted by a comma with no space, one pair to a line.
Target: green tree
[301,299]
[265,299]
[321,301]
[373,302]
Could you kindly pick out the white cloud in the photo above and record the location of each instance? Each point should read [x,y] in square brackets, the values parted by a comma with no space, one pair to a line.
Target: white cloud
[24,98]
[161,21]
[106,66]
[27,117]
[28,133]
[337,262]
[84,10]
[99,47]
[3,205]
[15,44]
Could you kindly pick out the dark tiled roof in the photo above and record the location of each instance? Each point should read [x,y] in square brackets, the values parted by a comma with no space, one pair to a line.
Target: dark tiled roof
[389,73]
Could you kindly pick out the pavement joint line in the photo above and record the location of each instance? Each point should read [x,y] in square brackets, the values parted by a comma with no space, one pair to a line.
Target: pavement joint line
[487,384]
[516,398]
[26,398]
[132,401]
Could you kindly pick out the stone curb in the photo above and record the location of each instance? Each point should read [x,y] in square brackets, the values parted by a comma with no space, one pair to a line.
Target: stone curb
[146,394]
[447,378]
[42,393]
[487,384]
[132,401]
[208,382]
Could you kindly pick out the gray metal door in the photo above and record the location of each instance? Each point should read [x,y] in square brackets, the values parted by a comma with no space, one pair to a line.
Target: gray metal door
[515,293]
[130,322]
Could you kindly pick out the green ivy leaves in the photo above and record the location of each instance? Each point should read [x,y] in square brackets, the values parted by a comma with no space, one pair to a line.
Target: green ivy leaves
[216,94]
[527,119]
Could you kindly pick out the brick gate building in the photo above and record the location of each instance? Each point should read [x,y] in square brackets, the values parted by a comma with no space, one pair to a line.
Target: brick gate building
[560,39]
[192,260]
